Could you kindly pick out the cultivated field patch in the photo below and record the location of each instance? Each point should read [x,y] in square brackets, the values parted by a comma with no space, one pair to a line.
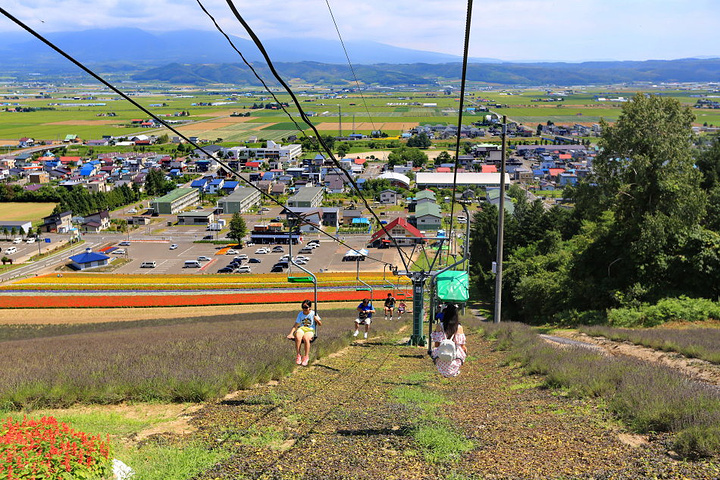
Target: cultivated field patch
[17,212]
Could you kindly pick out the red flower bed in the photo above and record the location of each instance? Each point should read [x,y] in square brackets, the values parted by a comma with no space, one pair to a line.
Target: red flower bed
[46,449]
[106,301]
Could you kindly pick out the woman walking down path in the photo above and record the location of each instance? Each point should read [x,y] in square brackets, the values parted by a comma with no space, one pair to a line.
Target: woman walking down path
[303,331]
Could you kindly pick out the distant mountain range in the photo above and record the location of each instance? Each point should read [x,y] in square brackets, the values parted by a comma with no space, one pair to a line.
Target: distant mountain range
[202,57]
[526,74]
[138,47]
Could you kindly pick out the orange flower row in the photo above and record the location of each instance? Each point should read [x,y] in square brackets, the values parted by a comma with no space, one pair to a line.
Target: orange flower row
[185,300]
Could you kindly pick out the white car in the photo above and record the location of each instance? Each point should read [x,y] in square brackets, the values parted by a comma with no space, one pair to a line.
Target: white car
[132,210]
[17,240]
[302,257]
[11,250]
[260,251]
[300,262]
[203,258]
[30,240]
[232,251]
[242,256]
[150,264]
[173,246]
[119,251]
[243,269]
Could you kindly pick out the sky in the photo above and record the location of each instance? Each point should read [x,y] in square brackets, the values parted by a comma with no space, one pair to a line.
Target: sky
[510,30]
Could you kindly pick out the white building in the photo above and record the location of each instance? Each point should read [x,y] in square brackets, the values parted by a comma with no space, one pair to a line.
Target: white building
[272,152]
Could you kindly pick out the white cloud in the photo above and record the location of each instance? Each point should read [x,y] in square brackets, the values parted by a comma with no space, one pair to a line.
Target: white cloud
[508,29]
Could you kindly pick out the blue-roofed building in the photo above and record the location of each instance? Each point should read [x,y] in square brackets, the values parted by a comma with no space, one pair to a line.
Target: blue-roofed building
[200,184]
[215,185]
[87,170]
[175,172]
[268,176]
[230,186]
[89,259]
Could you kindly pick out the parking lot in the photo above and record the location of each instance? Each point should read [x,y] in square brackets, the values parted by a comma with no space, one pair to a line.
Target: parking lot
[327,257]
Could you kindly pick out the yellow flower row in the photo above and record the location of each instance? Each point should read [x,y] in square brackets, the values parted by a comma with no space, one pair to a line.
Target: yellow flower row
[201,281]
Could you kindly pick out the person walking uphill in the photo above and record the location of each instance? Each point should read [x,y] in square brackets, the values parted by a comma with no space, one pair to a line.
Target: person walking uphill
[303,331]
[364,316]
[449,350]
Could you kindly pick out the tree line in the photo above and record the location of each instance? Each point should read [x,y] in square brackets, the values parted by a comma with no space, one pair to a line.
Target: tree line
[643,227]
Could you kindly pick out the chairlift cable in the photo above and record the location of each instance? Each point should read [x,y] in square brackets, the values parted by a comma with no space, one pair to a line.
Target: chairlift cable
[352,69]
[162,122]
[258,43]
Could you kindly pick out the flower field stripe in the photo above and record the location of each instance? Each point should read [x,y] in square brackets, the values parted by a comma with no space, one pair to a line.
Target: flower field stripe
[186,299]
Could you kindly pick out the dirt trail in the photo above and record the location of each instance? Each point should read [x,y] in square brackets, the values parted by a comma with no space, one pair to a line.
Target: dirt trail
[342,418]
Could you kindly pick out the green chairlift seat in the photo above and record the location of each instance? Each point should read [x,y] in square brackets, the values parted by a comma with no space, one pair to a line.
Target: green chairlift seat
[453,286]
[300,279]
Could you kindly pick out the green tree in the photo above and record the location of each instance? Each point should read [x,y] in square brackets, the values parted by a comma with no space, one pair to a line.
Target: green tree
[403,155]
[419,141]
[343,149]
[443,157]
[238,229]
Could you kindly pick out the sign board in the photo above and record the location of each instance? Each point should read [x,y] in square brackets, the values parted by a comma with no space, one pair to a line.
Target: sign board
[47,240]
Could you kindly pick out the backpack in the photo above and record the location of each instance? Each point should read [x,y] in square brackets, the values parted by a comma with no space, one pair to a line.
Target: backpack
[447,350]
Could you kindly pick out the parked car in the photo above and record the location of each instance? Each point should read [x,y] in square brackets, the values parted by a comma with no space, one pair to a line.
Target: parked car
[261,251]
[151,264]
[30,240]
[192,264]
[119,251]
[203,258]
[124,243]
[300,262]
[281,264]
[226,270]
[11,250]
[173,246]
[284,258]
[276,269]
[243,269]
[254,260]
[132,210]
[250,244]
[278,249]
[306,250]
[242,256]
[302,257]
[232,251]
[17,240]
[208,237]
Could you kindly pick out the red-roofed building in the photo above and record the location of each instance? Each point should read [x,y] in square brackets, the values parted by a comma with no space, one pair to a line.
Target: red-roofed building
[403,233]
[554,172]
[565,156]
[489,169]
[360,161]
[253,165]
[443,170]
[67,160]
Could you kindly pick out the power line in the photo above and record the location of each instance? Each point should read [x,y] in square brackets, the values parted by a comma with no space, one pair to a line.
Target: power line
[352,69]
[258,43]
[159,120]
[460,115]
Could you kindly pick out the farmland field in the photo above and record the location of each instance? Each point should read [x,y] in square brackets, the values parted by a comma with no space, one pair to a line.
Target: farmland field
[393,112]
[17,212]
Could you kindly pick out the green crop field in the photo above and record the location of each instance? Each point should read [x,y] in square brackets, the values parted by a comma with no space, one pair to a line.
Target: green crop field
[393,112]
[18,212]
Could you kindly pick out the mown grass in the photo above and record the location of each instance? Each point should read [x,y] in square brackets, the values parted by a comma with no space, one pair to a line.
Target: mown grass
[646,397]
[165,360]
[703,343]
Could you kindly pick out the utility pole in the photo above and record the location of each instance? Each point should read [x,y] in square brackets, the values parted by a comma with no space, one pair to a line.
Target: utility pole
[501,226]
[340,120]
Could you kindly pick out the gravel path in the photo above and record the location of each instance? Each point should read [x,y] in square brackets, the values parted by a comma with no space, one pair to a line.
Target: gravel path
[340,419]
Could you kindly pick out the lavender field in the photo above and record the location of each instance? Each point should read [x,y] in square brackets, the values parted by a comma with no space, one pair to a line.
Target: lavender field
[192,359]
[703,343]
